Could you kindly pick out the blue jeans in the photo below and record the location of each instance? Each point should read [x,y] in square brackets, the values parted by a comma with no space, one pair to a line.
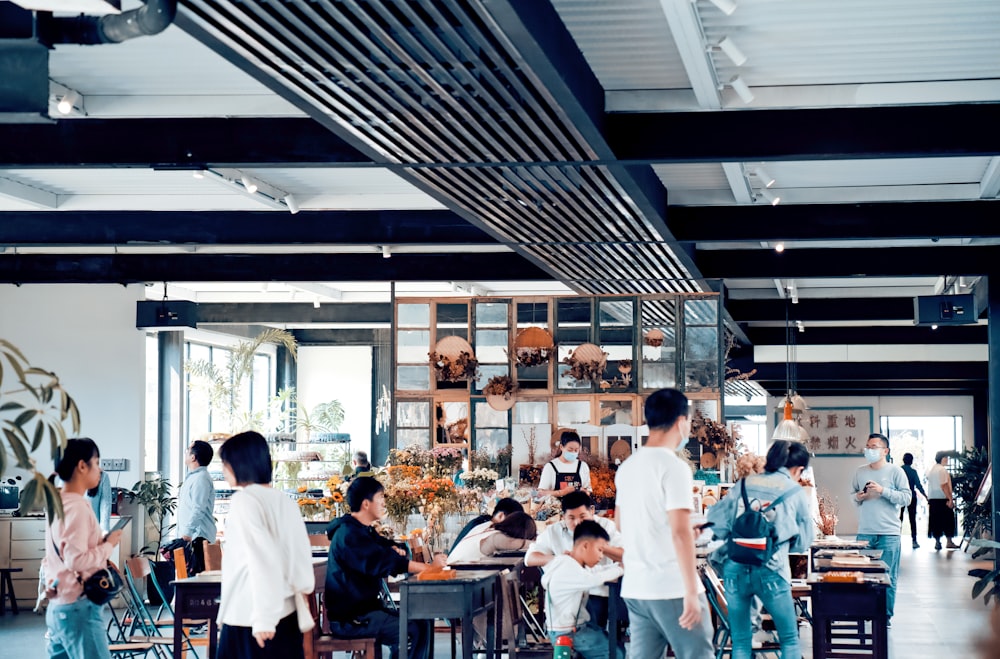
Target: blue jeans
[590,642]
[77,631]
[742,583]
[889,544]
[653,624]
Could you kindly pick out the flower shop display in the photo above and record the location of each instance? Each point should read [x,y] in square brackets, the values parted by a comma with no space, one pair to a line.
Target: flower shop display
[324,507]
[711,434]
[453,360]
[480,479]
[447,460]
[587,363]
[533,346]
[827,520]
[500,392]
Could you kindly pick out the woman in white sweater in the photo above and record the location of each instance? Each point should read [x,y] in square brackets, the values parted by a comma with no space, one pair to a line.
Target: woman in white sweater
[267,563]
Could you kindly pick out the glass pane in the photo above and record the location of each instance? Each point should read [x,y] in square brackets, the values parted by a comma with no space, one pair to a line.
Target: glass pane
[415,414]
[492,440]
[701,376]
[488,371]
[451,315]
[413,346]
[573,311]
[566,382]
[261,389]
[413,378]
[420,438]
[531,412]
[658,344]
[614,412]
[491,346]
[487,417]
[701,343]
[616,313]
[701,312]
[491,314]
[532,313]
[658,375]
[413,315]
[573,411]
[452,422]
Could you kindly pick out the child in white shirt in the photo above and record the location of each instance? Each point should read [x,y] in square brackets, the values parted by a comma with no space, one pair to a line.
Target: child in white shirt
[567,579]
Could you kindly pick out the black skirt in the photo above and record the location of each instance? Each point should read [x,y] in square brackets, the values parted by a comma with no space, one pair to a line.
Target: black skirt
[941,520]
[239,642]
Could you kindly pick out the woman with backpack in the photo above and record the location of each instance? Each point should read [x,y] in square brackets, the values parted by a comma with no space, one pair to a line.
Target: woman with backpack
[755,556]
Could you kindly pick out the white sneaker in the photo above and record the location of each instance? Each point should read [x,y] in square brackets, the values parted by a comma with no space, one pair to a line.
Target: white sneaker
[760,637]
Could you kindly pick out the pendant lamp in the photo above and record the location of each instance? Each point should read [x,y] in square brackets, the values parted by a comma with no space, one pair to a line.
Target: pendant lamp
[789,428]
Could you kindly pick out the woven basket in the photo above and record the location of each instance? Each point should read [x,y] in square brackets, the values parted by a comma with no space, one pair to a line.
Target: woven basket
[533,337]
[452,347]
[654,338]
[590,353]
[501,403]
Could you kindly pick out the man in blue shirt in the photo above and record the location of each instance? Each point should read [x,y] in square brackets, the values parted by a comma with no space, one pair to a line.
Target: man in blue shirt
[196,499]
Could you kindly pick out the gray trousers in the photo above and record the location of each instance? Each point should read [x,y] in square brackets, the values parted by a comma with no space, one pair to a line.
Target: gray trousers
[653,624]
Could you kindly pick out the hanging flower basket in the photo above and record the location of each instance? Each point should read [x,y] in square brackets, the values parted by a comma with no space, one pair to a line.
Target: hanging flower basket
[453,360]
[587,363]
[500,392]
[653,338]
[533,346]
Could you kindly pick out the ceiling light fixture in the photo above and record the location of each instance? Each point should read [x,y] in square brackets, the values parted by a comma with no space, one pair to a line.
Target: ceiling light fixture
[765,179]
[772,198]
[741,89]
[258,190]
[779,248]
[731,50]
[250,185]
[386,252]
[727,7]
[68,101]
[198,174]
[293,205]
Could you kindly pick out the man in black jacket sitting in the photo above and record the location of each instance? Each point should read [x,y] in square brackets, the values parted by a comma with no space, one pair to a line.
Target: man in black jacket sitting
[359,560]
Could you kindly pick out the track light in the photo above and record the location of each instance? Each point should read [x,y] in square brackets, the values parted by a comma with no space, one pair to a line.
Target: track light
[732,51]
[258,190]
[386,252]
[293,205]
[68,102]
[779,248]
[727,7]
[741,89]
[772,198]
[316,302]
[198,174]
[249,184]
[765,179]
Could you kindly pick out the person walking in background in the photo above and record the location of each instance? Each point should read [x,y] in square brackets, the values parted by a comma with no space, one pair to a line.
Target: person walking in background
[940,502]
[267,566]
[772,582]
[196,498]
[881,490]
[914,479]
[665,598]
[76,548]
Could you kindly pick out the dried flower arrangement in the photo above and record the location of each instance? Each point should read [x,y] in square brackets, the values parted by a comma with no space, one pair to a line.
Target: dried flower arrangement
[711,434]
[587,363]
[447,459]
[480,479]
[532,441]
[749,463]
[499,385]
[455,430]
[533,346]
[653,338]
[463,367]
[827,521]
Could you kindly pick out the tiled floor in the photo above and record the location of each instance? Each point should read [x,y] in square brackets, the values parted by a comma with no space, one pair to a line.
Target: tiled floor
[935,616]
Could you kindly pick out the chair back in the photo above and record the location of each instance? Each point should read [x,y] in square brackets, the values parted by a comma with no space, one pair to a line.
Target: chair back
[715,593]
[180,564]
[319,541]
[213,555]
[138,567]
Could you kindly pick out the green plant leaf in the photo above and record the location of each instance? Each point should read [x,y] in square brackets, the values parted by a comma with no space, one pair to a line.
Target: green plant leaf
[12,405]
[978,587]
[28,496]
[24,417]
[53,501]
[18,448]
[978,573]
[39,435]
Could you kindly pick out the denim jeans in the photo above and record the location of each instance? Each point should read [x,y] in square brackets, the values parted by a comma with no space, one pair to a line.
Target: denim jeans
[889,544]
[742,583]
[77,631]
[590,642]
[654,623]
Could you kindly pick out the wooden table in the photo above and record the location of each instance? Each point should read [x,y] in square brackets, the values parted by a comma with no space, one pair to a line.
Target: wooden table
[826,565]
[514,563]
[840,611]
[468,594]
[615,614]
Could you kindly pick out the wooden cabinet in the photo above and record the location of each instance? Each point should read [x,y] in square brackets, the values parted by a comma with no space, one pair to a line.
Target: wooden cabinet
[22,545]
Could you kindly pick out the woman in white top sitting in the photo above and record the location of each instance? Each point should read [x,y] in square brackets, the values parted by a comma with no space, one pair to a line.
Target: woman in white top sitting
[566,473]
[513,533]
[267,562]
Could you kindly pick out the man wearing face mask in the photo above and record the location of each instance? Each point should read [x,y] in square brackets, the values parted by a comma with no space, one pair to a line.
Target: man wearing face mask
[880,491]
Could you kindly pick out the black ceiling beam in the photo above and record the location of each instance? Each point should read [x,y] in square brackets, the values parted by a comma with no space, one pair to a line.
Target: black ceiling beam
[908,131]
[885,221]
[135,268]
[181,143]
[847,262]
[294,312]
[815,309]
[817,378]
[882,335]
[236,227]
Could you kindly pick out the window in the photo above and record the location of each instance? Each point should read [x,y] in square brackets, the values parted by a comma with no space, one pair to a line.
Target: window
[254,394]
[923,436]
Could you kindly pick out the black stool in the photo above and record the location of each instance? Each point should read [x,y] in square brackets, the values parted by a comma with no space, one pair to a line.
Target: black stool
[7,590]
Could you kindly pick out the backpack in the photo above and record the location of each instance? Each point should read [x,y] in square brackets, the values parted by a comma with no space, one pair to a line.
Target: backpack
[753,538]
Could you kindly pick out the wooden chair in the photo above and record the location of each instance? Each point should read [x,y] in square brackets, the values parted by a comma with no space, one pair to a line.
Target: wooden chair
[513,612]
[213,556]
[319,541]
[180,564]
[321,642]
[722,639]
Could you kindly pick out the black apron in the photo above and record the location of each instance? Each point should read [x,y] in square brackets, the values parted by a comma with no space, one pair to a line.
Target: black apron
[568,481]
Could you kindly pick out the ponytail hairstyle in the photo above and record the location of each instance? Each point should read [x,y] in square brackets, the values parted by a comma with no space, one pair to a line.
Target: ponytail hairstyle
[77,449]
[787,454]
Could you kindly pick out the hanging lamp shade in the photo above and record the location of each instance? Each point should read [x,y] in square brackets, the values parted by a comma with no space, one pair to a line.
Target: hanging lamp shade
[788,428]
[799,403]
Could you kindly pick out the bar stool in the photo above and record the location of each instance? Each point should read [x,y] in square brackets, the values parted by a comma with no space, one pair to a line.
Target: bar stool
[7,590]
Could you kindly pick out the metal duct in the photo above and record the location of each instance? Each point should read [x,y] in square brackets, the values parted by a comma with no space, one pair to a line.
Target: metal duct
[152,18]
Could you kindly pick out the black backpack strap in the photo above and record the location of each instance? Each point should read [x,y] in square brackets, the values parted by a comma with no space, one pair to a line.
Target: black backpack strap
[579,465]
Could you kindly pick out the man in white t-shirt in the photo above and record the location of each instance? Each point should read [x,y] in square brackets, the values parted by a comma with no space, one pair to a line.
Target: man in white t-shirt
[666,601]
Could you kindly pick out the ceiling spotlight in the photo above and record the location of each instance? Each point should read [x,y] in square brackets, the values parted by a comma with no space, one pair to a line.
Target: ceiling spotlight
[68,101]
[249,184]
[772,198]
[732,51]
[316,303]
[293,205]
[386,252]
[741,89]
[765,179]
[779,248]
[727,7]
[933,327]
[198,174]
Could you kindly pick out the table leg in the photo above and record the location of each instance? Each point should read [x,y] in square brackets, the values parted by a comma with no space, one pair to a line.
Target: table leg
[213,637]
[491,630]
[404,603]
[612,623]
[178,633]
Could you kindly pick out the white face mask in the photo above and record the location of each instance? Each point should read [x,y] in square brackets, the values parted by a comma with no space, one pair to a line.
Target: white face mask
[873,455]
[570,456]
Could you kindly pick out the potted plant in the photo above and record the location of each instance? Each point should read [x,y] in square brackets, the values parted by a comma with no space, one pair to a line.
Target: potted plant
[154,494]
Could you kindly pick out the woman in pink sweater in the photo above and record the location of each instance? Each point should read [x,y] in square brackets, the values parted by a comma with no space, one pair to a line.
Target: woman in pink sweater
[75,548]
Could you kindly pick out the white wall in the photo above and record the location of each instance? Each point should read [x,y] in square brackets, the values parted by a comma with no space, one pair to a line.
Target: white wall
[86,335]
[341,373]
[834,474]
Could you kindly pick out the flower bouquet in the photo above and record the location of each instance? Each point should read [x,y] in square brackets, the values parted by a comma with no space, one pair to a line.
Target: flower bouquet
[480,479]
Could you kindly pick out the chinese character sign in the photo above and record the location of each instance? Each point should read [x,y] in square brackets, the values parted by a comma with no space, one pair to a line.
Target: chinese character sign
[836,430]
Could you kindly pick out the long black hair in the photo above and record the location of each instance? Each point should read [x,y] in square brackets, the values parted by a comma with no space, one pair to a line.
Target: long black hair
[77,449]
[518,525]
[784,453]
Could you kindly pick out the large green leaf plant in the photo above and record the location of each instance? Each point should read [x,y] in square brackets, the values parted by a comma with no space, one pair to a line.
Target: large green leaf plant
[35,410]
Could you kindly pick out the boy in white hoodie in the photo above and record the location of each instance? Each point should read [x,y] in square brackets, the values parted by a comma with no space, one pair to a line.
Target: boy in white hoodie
[567,580]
